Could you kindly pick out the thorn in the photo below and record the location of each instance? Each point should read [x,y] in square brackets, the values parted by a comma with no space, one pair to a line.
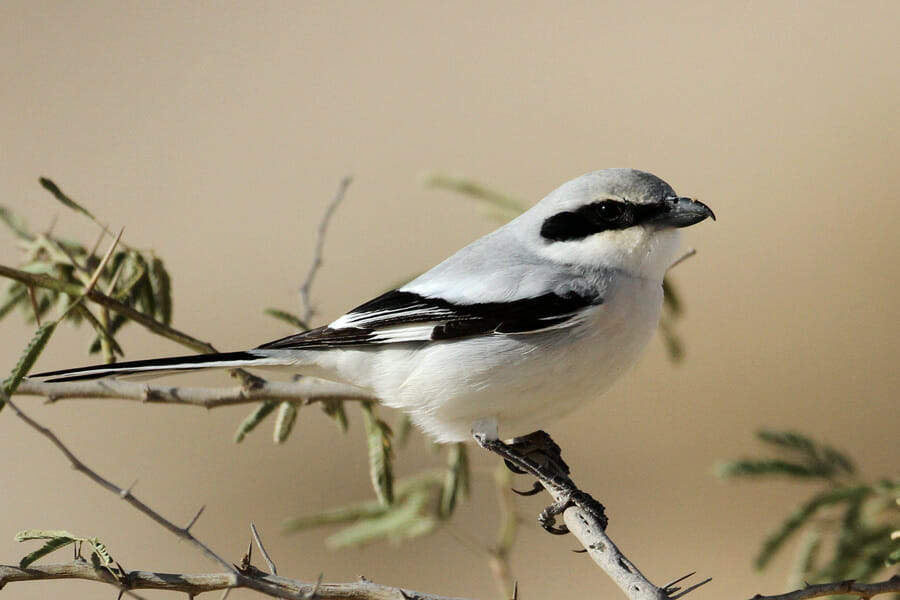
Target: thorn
[690,589]
[314,593]
[245,560]
[515,590]
[225,593]
[584,551]
[127,492]
[194,520]
[679,580]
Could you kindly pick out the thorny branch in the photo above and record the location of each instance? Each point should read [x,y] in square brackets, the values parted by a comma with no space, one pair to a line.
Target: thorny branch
[306,389]
[252,578]
[195,584]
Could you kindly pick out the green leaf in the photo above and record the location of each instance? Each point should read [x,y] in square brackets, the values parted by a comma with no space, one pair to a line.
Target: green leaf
[289,318]
[98,327]
[401,521]
[343,514]
[162,290]
[100,550]
[403,428]
[17,294]
[43,534]
[497,204]
[335,409]
[456,481]
[671,297]
[146,299]
[253,419]
[68,202]
[28,358]
[805,560]
[116,322]
[56,540]
[15,224]
[284,423]
[838,460]
[756,468]
[133,281]
[803,514]
[380,455]
[788,439]
[671,339]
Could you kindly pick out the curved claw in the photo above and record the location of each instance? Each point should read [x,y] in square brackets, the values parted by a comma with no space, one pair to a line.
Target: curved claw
[514,468]
[536,488]
[547,518]
[550,527]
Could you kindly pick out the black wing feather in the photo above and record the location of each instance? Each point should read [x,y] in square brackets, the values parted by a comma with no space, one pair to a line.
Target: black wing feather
[371,322]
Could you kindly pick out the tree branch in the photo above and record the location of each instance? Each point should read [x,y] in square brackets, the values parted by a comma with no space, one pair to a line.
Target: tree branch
[280,587]
[590,532]
[252,578]
[863,590]
[306,389]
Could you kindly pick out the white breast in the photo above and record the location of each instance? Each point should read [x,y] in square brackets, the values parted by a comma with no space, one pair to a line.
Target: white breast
[525,381]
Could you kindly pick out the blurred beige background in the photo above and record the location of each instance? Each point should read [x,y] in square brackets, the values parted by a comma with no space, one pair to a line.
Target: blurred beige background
[217,132]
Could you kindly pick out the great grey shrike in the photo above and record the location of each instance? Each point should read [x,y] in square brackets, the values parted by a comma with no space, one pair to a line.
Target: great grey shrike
[508,334]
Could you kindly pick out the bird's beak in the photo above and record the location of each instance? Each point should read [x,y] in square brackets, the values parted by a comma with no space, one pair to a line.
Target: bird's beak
[682,212]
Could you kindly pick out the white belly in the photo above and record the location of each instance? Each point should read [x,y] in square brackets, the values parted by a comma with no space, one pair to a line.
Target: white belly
[524,381]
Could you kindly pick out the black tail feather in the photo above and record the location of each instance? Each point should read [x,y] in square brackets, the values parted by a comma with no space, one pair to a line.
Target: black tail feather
[174,363]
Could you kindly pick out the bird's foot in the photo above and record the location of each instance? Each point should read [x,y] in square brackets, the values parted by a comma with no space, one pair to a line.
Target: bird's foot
[535,454]
[569,498]
[541,447]
[539,456]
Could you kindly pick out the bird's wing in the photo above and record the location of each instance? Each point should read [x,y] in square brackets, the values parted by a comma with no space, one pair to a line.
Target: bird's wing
[404,316]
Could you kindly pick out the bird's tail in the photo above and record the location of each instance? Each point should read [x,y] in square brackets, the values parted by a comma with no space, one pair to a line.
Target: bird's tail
[161,366]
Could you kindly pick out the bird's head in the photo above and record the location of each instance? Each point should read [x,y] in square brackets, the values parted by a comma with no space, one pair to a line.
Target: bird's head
[620,219]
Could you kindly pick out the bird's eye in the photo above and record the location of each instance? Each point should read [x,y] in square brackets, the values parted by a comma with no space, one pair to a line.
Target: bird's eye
[609,210]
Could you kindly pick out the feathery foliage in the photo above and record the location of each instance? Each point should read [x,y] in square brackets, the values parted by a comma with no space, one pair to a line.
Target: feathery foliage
[857,520]
[55,269]
[56,539]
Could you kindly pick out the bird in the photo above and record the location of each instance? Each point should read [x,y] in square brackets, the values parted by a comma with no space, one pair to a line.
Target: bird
[508,334]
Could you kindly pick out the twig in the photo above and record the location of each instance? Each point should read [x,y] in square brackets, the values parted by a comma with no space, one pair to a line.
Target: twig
[688,254]
[306,305]
[863,590]
[307,390]
[506,535]
[262,550]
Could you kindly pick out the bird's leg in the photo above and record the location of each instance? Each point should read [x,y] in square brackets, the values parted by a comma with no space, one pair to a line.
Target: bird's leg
[539,456]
